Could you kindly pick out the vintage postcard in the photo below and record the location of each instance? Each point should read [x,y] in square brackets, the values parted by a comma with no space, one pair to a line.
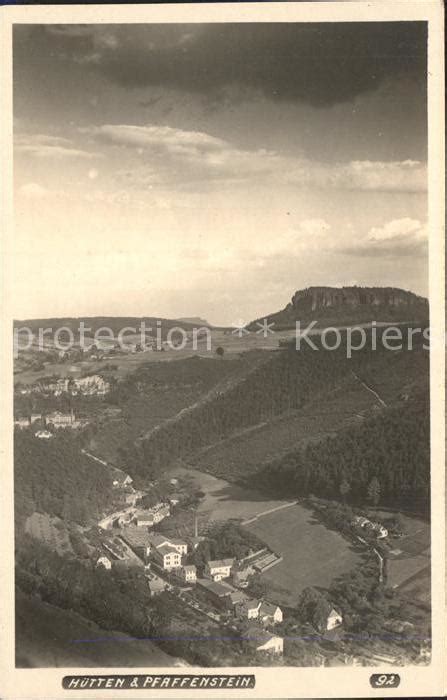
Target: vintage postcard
[223,351]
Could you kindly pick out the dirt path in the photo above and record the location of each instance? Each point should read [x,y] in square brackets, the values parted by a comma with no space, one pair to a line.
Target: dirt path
[368,388]
[267,512]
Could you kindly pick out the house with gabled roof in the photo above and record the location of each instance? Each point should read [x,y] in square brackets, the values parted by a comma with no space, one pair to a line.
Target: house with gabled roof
[261,640]
[159,540]
[188,573]
[167,557]
[269,613]
[248,609]
[325,617]
[217,569]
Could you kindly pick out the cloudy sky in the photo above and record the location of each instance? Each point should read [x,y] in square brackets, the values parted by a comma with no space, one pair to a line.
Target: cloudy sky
[212,170]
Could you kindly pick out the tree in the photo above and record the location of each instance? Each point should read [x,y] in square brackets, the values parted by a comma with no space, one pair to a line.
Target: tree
[220,351]
[374,491]
[345,488]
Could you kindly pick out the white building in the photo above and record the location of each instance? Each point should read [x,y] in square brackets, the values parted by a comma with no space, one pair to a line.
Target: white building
[217,569]
[104,562]
[249,609]
[269,613]
[188,573]
[334,619]
[167,557]
[265,641]
[43,434]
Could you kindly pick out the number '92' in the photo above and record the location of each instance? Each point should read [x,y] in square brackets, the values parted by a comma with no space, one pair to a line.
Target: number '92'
[384,680]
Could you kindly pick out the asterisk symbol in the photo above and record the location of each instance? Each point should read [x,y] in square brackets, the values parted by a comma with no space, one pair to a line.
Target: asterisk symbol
[239,328]
[265,327]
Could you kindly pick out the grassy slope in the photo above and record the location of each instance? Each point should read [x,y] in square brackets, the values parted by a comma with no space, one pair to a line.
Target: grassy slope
[45,637]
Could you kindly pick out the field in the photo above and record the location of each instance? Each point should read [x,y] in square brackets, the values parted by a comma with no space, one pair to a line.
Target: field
[46,636]
[127,363]
[312,554]
[225,501]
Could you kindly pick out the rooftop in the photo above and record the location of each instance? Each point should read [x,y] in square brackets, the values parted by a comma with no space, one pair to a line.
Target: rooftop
[216,563]
[267,608]
[257,635]
[166,549]
[158,540]
[144,514]
[136,536]
[217,587]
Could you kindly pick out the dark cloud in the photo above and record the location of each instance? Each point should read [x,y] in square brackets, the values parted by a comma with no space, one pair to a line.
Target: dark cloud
[320,64]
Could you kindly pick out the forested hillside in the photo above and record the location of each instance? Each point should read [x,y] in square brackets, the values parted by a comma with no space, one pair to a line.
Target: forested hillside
[54,477]
[158,391]
[287,383]
[385,459]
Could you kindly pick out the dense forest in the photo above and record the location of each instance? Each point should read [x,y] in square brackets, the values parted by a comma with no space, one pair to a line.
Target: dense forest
[53,476]
[288,381]
[157,391]
[385,459]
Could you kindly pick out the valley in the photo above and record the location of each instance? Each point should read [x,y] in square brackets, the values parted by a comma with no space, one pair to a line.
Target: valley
[262,443]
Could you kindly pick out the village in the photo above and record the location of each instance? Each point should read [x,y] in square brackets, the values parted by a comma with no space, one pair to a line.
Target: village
[216,590]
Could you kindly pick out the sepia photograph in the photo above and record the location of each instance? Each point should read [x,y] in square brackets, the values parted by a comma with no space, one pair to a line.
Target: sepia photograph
[222,308]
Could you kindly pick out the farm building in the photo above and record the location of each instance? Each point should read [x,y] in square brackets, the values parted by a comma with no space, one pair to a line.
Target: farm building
[217,569]
[265,641]
[378,528]
[269,613]
[240,575]
[249,609]
[325,617]
[217,592]
[120,479]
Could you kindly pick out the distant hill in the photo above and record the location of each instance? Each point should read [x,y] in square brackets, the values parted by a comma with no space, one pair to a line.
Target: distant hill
[347,305]
[115,323]
[196,320]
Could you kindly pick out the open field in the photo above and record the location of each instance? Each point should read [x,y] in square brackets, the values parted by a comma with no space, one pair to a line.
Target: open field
[47,636]
[225,501]
[129,362]
[312,554]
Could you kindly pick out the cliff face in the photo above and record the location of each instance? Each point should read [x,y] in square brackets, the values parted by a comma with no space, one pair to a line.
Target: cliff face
[317,298]
[348,305]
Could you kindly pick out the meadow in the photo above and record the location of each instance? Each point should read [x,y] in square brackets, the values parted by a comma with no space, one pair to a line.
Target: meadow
[312,554]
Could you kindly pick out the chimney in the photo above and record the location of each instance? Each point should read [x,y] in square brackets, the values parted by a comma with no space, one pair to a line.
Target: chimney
[196,525]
